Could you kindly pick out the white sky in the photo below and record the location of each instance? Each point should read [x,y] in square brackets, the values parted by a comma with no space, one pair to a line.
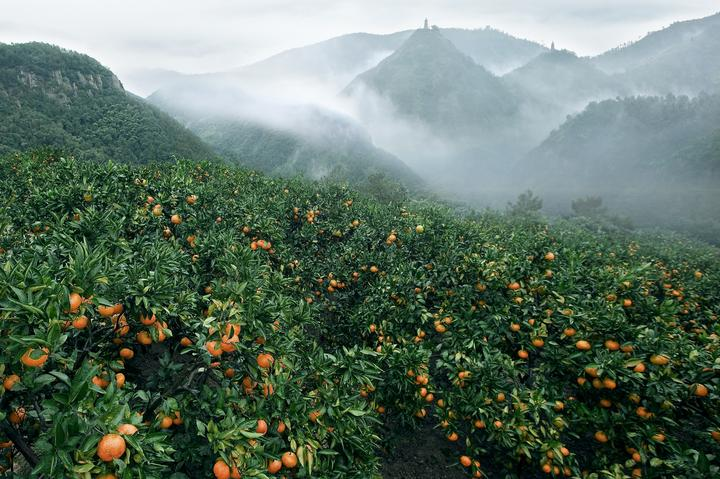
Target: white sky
[211,35]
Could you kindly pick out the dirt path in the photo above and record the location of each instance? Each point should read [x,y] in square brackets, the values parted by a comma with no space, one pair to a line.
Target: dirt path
[421,454]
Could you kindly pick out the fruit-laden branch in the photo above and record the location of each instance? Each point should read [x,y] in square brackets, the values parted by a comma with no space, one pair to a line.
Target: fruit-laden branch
[20,443]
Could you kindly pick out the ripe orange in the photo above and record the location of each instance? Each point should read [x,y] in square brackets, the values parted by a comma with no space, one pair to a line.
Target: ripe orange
[75,302]
[601,437]
[118,308]
[465,461]
[627,303]
[514,286]
[289,460]
[214,348]
[106,311]
[538,342]
[144,338]
[175,219]
[262,426]
[166,422]
[700,390]
[583,345]
[274,466]
[221,470]
[280,427]
[80,322]
[127,353]
[453,436]
[101,381]
[127,429]
[120,380]
[147,320]
[659,359]
[111,446]
[10,381]
[185,341]
[265,360]
[550,256]
[612,345]
[639,368]
[34,358]
[522,354]
[313,416]
[609,383]
[569,332]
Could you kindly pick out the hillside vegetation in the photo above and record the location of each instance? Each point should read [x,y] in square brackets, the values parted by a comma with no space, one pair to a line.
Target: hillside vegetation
[198,320]
[54,97]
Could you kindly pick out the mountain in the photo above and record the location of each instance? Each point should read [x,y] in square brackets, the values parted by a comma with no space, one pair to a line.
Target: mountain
[428,79]
[346,56]
[54,97]
[681,58]
[625,139]
[497,51]
[563,81]
[279,139]
[338,60]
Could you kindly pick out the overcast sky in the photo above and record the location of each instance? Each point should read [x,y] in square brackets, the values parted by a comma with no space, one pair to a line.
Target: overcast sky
[212,35]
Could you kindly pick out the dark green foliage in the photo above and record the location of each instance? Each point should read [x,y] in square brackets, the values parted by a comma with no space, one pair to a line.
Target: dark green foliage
[54,97]
[527,204]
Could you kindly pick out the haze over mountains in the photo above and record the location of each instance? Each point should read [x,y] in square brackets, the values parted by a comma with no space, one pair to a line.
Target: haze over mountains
[476,115]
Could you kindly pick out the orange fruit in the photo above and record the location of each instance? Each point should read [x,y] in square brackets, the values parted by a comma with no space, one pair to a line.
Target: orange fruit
[522,354]
[538,342]
[550,256]
[221,470]
[313,416]
[80,322]
[127,353]
[274,466]
[612,345]
[262,426]
[34,358]
[144,338]
[118,308]
[17,416]
[465,461]
[601,437]
[127,429]
[700,390]
[75,302]
[214,348]
[235,473]
[453,436]
[10,381]
[106,311]
[175,219]
[111,446]
[101,381]
[569,332]
[583,345]
[120,380]
[147,320]
[265,360]
[166,422]
[185,341]
[639,368]
[289,460]
[514,286]
[659,359]
[280,427]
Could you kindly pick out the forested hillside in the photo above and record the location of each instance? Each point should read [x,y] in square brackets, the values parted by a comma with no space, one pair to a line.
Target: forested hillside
[54,97]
